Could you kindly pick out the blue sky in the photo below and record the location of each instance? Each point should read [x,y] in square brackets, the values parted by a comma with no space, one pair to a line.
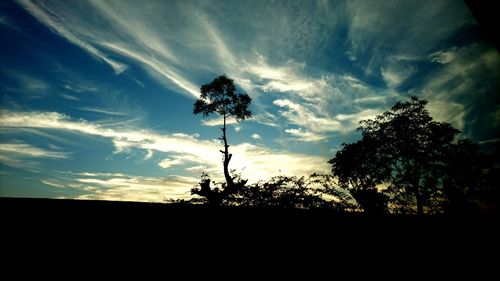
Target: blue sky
[96,96]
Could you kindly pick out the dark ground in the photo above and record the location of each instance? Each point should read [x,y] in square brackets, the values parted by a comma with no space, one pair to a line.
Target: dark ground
[249,240]
[115,215]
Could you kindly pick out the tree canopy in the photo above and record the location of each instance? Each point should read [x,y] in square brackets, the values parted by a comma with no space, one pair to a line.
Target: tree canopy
[403,152]
[220,97]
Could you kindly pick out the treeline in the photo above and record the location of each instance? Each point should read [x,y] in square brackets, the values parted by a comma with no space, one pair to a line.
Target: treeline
[405,162]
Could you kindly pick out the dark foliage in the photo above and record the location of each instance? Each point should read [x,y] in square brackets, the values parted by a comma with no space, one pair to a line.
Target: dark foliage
[220,97]
[284,192]
[409,163]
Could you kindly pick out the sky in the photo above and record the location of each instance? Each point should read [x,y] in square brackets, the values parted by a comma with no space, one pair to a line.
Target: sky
[97,96]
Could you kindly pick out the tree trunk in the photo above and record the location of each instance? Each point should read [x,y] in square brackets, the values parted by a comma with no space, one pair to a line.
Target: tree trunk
[227,158]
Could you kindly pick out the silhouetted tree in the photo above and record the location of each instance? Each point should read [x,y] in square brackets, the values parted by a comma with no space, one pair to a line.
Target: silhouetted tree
[403,150]
[360,171]
[220,97]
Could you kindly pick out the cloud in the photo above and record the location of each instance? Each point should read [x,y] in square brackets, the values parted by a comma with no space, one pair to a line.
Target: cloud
[318,101]
[355,118]
[286,78]
[26,150]
[463,91]
[206,44]
[132,188]
[264,118]
[102,28]
[298,114]
[444,57]
[149,154]
[100,110]
[179,160]
[69,97]
[26,84]
[11,23]
[94,185]
[396,75]
[53,183]
[378,31]
[449,112]
[219,121]
[167,163]
[197,169]
[258,162]
[80,87]
[305,136]
[256,136]
[21,154]
[370,99]
[59,25]
[157,69]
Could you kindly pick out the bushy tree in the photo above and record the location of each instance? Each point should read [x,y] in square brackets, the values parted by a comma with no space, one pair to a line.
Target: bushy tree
[403,150]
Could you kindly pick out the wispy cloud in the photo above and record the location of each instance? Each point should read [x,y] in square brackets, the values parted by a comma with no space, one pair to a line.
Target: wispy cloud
[11,23]
[69,97]
[124,187]
[264,118]
[319,102]
[103,111]
[447,111]
[26,150]
[53,183]
[380,30]
[257,161]
[444,57]
[157,68]
[80,87]
[306,136]
[204,45]
[300,115]
[219,121]
[463,90]
[285,78]
[395,75]
[23,155]
[59,24]
[26,84]
[103,32]
[315,124]
[179,160]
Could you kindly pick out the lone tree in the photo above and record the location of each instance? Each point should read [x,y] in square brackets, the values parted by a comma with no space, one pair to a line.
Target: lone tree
[220,97]
[403,149]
